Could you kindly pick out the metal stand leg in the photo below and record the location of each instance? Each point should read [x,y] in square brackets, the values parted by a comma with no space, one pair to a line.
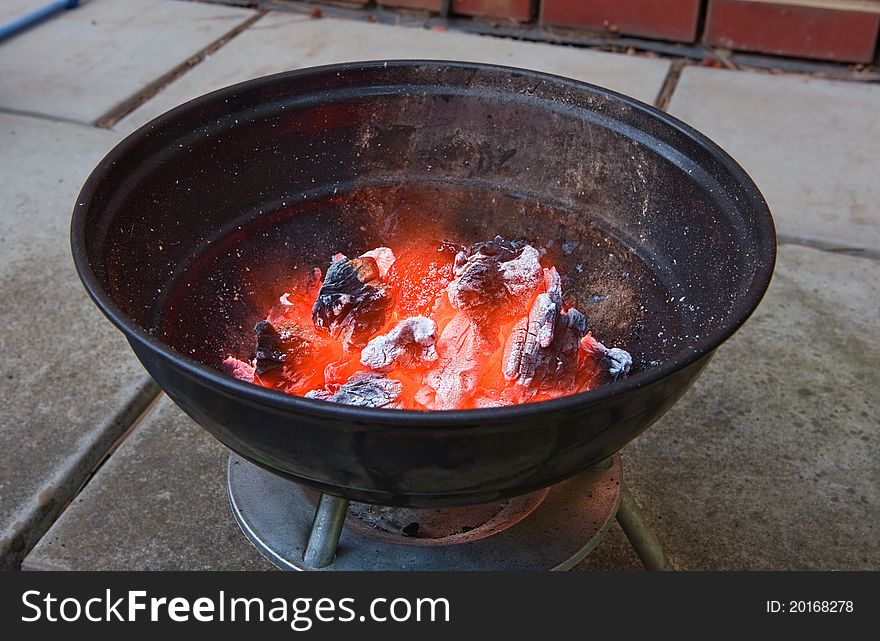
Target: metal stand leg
[326,528]
[639,534]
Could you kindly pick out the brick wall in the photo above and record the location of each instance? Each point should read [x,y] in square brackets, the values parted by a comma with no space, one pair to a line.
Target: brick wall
[519,10]
[663,19]
[839,30]
[843,31]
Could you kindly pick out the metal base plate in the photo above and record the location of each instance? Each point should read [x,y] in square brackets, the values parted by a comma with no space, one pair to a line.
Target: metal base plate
[276,516]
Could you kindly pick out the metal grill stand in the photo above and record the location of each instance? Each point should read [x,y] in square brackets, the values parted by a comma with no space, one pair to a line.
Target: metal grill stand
[300,529]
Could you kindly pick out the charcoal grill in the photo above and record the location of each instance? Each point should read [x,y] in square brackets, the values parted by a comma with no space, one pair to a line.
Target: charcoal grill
[184,234]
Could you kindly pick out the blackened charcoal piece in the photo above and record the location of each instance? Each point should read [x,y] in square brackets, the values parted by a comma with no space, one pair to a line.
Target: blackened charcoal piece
[353,303]
[558,366]
[554,366]
[364,389]
[271,351]
[283,345]
[542,349]
[410,343]
[533,332]
[313,280]
[499,248]
[494,276]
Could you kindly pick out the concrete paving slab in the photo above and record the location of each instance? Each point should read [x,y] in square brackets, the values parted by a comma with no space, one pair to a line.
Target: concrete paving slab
[282,41]
[87,61]
[810,144]
[771,462]
[70,385]
[159,503]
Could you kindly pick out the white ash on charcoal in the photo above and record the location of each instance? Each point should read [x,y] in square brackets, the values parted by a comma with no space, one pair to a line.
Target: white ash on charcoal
[617,361]
[364,389]
[492,398]
[494,275]
[462,355]
[521,275]
[492,280]
[409,344]
[542,350]
[353,303]
[238,369]
[384,258]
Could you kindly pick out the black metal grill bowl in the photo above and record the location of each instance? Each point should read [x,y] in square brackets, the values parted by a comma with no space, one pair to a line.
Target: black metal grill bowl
[188,230]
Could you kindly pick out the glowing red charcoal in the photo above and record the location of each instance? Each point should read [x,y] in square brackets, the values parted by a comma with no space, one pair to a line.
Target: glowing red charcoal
[438,327]
[420,276]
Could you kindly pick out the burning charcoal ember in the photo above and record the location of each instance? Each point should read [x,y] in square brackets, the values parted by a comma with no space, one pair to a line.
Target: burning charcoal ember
[238,369]
[353,303]
[542,350]
[617,361]
[463,356]
[534,332]
[478,281]
[420,277]
[558,366]
[311,285]
[494,276]
[337,372]
[364,389]
[522,274]
[271,350]
[290,356]
[554,368]
[313,281]
[384,258]
[409,344]
[519,350]
[457,328]
[490,398]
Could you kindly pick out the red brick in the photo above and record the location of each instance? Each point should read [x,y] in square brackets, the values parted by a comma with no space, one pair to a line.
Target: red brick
[430,5]
[521,10]
[792,29]
[664,19]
